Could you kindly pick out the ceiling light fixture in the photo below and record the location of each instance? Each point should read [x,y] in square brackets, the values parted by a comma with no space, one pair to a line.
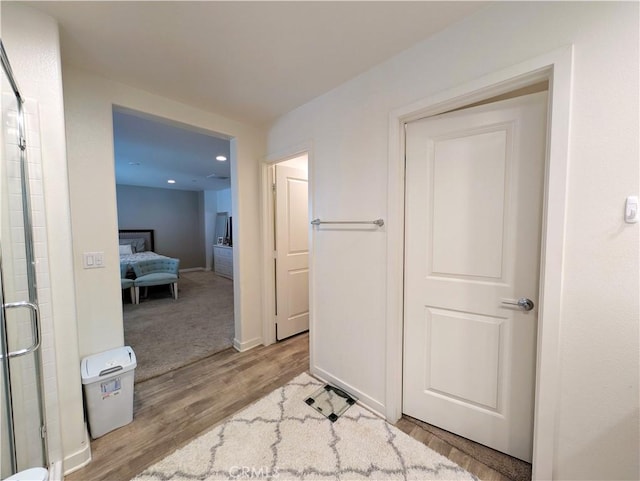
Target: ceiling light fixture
[171,181]
[221,158]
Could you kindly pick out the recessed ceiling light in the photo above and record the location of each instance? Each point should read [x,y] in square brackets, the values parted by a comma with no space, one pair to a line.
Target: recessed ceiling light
[221,158]
[171,181]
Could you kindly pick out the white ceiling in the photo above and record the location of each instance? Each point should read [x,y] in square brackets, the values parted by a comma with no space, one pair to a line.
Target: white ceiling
[149,151]
[250,61]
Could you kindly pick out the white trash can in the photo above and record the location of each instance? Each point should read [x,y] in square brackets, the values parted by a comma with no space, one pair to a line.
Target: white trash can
[107,379]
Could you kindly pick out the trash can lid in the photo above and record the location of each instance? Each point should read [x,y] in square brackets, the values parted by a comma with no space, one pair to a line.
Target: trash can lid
[32,474]
[107,364]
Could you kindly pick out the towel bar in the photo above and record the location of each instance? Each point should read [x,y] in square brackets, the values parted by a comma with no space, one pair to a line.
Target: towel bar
[378,222]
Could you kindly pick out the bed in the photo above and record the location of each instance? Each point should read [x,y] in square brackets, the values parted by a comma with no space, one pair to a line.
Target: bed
[135,246]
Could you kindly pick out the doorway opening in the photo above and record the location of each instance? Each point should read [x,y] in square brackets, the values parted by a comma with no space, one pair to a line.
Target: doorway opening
[173,191]
[287,241]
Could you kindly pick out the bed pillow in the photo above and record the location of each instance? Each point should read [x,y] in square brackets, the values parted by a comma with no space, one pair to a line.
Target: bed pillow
[125,249]
[136,243]
[127,242]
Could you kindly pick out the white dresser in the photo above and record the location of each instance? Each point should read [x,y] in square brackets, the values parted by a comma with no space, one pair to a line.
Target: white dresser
[223,261]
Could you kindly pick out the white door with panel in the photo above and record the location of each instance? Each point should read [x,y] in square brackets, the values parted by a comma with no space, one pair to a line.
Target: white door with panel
[474,192]
[292,251]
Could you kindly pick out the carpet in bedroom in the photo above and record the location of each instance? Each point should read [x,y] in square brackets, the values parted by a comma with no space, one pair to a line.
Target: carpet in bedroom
[166,334]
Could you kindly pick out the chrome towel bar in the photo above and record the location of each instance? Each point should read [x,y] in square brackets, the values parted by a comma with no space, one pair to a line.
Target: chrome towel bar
[378,222]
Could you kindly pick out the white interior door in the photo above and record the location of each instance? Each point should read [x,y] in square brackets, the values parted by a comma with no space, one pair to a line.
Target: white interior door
[474,189]
[292,251]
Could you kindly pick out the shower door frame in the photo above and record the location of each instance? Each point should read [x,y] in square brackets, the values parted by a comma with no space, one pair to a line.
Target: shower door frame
[32,303]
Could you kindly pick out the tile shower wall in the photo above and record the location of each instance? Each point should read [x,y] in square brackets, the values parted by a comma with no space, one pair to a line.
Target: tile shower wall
[34,159]
[14,264]
[23,385]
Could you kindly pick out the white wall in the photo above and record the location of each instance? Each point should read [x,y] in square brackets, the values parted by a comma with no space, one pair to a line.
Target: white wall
[597,418]
[214,201]
[176,217]
[88,107]
[210,201]
[31,41]
[301,162]
[223,198]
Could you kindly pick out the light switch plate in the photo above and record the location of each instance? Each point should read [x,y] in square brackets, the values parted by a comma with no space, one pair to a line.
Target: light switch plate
[631,215]
[93,260]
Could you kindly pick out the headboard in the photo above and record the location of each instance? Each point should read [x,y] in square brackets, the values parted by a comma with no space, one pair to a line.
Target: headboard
[146,234]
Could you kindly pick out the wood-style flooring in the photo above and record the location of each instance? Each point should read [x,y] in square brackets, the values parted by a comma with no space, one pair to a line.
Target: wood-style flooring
[174,408]
[486,463]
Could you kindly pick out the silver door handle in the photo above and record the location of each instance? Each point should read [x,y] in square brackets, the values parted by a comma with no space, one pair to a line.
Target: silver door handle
[523,303]
[35,327]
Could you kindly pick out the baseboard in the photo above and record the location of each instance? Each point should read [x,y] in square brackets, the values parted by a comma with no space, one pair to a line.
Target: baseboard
[80,458]
[55,471]
[367,401]
[193,269]
[245,346]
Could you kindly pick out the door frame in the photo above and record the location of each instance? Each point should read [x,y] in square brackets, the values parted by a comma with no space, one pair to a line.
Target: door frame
[556,68]
[267,219]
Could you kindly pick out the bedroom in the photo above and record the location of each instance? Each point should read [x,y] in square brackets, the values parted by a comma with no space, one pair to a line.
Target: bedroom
[173,202]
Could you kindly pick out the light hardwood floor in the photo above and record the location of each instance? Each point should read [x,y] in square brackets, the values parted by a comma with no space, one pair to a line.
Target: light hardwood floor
[172,409]
[486,463]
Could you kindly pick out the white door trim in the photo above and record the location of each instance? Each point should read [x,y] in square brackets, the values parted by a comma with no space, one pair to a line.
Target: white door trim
[266,220]
[556,67]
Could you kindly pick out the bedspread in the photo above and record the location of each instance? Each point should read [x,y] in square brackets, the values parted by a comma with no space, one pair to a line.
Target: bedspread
[131,259]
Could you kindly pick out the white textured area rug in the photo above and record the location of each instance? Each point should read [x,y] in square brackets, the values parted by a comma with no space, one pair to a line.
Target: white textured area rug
[280,437]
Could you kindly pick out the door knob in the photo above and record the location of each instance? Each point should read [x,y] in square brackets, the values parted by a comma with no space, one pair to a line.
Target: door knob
[523,303]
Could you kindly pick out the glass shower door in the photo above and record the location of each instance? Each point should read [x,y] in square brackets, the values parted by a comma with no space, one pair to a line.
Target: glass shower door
[22,434]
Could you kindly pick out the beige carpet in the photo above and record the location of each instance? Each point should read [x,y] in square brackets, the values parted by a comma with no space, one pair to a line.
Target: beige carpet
[166,333]
[280,438]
